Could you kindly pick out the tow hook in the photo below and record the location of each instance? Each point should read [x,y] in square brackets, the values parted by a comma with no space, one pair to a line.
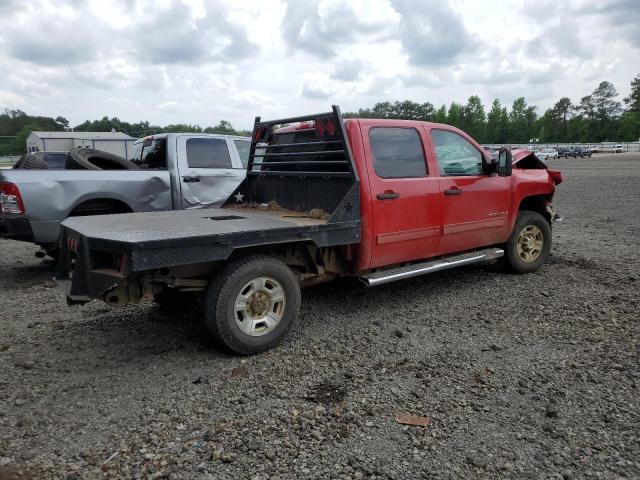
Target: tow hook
[553,215]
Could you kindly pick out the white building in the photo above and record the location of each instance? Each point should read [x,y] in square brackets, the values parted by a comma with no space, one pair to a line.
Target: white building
[117,143]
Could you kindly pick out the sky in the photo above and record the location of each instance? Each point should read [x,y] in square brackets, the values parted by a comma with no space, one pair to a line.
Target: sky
[199,62]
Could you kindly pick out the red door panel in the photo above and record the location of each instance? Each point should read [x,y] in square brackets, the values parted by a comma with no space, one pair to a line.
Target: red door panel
[474,204]
[406,211]
[477,216]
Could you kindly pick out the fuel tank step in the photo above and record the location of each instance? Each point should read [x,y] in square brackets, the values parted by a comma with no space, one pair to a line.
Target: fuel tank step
[400,273]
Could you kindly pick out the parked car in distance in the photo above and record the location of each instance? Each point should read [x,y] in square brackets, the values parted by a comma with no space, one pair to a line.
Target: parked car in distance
[594,148]
[582,152]
[175,171]
[567,152]
[547,153]
[377,200]
[617,149]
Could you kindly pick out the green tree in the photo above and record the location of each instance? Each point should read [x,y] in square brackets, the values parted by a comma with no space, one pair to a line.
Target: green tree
[497,124]
[226,128]
[474,118]
[629,129]
[601,110]
[555,121]
[633,100]
[440,115]
[63,122]
[455,115]
[522,119]
[21,137]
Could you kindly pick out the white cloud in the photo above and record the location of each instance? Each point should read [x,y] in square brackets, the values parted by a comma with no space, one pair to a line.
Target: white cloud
[197,61]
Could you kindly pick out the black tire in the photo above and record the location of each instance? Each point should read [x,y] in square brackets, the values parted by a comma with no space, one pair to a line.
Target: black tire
[18,162]
[31,161]
[220,299]
[513,258]
[91,159]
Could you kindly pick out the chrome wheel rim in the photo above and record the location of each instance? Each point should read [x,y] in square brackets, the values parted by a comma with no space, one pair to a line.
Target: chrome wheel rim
[260,306]
[530,243]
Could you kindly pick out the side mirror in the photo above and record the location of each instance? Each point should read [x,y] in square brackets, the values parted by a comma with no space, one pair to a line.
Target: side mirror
[504,162]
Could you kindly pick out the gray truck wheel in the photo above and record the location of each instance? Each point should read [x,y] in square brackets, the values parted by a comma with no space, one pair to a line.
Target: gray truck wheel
[529,246]
[252,303]
[91,159]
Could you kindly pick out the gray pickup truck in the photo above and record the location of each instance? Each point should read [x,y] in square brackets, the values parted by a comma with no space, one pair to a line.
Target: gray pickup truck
[176,172]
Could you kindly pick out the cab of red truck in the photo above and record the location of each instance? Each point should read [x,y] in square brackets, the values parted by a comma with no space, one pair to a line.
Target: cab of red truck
[380,200]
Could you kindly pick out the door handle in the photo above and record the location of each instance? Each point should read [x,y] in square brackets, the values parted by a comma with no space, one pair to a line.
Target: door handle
[387,196]
[190,179]
[453,191]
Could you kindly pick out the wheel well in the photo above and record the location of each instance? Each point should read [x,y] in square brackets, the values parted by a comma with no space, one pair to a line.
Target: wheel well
[304,257]
[100,206]
[536,203]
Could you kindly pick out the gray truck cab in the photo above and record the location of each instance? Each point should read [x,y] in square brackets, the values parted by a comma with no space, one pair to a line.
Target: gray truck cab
[176,171]
[207,167]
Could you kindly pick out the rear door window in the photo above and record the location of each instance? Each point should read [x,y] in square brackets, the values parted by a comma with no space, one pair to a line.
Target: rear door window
[136,151]
[397,152]
[243,147]
[153,156]
[208,153]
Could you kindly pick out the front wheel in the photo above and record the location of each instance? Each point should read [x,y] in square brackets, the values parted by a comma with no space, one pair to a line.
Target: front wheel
[529,246]
[252,303]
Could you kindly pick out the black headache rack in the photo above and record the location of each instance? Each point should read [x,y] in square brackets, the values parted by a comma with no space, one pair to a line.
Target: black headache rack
[302,164]
[301,186]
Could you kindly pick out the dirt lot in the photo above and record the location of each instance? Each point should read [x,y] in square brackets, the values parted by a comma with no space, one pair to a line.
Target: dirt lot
[531,376]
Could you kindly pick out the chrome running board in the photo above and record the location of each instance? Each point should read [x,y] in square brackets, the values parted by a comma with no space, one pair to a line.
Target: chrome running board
[417,269]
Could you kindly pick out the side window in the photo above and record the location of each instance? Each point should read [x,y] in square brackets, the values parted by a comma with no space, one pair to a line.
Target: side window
[153,156]
[243,147]
[136,151]
[456,156]
[397,152]
[208,153]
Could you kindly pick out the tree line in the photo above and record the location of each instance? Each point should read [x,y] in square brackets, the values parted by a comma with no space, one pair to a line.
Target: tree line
[597,117]
[16,125]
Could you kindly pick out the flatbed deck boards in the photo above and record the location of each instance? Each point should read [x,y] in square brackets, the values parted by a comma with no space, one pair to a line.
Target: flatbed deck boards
[150,227]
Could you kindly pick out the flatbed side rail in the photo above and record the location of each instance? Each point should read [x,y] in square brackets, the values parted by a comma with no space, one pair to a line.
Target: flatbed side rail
[302,164]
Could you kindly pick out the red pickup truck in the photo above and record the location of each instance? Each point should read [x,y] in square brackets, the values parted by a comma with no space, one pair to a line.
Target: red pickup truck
[380,200]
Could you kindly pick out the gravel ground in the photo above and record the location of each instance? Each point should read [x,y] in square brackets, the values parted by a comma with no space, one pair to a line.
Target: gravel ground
[533,376]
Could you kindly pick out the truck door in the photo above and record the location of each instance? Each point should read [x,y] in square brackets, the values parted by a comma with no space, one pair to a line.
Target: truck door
[404,195]
[209,170]
[474,203]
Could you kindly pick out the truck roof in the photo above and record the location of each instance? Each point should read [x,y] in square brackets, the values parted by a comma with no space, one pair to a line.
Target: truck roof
[191,134]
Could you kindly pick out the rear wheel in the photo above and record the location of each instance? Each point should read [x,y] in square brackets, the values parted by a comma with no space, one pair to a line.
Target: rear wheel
[529,246]
[252,304]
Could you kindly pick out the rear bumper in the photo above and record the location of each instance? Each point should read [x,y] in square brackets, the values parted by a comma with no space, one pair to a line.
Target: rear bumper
[81,273]
[16,228]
